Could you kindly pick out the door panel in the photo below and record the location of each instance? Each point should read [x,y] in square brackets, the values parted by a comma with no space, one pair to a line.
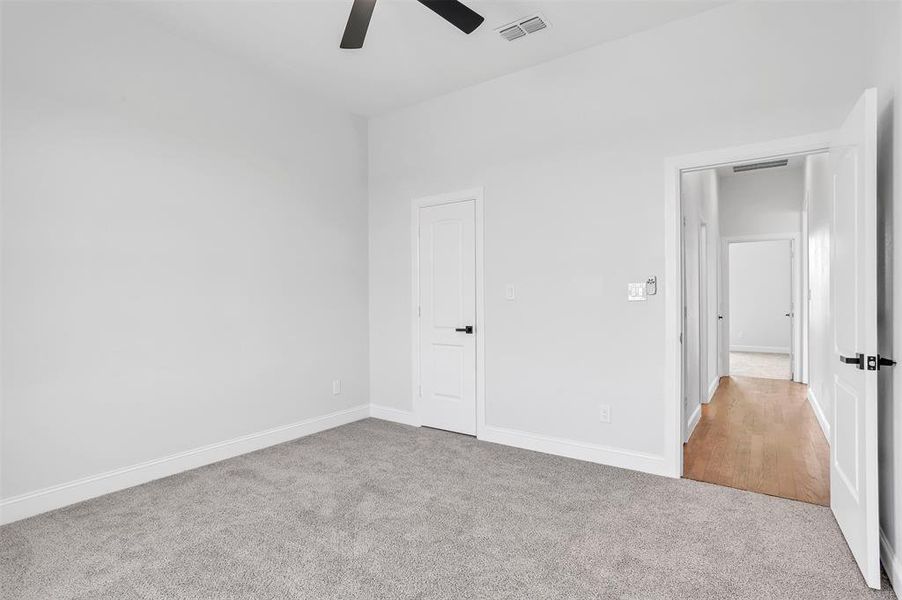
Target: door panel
[853,276]
[447,280]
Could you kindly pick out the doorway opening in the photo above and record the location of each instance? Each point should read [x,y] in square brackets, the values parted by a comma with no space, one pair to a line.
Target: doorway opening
[841,325]
[761,280]
[749,422]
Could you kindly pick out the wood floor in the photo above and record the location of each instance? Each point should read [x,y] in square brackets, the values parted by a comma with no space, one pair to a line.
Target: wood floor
[761,435]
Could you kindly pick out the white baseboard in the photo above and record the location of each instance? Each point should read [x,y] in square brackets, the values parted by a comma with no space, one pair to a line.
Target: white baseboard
[712,389]
[615,457]
[694,418]
[395,415]
[33,503]
[761,349]
[819,414]
[890,561]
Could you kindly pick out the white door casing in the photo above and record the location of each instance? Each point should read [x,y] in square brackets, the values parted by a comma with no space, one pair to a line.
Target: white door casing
[674,167]
[447,304]
[853,276]
[703,316]
[794,375]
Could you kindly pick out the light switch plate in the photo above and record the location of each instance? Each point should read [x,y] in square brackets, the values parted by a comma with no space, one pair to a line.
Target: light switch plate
[510,293]
[336,387]
[604,413]
[637,292]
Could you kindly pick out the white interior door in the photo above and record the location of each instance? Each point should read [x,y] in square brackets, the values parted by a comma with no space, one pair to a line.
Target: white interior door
[447,282]
[853,276]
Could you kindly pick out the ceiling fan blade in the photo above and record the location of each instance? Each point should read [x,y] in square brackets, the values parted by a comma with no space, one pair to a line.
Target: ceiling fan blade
[358,22]
[455,13]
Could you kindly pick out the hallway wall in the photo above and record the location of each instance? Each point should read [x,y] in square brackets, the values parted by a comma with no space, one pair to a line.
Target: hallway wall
[699,198]
[818,188]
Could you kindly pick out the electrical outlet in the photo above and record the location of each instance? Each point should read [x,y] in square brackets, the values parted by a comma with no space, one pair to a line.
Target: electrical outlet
[336,387]
[604,413]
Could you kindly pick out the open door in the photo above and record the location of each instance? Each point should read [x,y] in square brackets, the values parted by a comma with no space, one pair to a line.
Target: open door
[853,276]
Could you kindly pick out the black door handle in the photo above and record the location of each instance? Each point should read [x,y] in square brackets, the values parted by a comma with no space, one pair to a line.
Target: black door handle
[788,315]
[858,361]
[467,329]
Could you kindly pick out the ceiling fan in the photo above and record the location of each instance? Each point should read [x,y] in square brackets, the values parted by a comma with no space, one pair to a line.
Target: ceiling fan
[452,11]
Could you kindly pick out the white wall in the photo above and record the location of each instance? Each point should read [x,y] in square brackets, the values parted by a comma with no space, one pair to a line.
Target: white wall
[885,72]
[183,247]
[699,200]
[819,189]
[760,296]
[571,155]
[762,202]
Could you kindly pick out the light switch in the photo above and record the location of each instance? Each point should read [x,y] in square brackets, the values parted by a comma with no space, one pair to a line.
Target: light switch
[604,413]
[637,292]
[509,292]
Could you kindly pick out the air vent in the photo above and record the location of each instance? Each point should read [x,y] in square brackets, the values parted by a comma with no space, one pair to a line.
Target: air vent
[768,164]
[522,27]
[533,25]
[511,33]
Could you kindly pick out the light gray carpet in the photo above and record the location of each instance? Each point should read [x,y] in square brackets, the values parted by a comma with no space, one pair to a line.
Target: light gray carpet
[378,510]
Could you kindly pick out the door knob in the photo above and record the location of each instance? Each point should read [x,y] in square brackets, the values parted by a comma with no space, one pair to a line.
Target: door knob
[467,329]
[857,360]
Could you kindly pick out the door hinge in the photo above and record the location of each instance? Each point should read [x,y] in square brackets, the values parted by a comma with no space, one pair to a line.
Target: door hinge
[419,311]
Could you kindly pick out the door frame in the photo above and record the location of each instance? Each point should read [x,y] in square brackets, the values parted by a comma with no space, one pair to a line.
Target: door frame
[477,196]
[704,289]
[795,290]
[673,241]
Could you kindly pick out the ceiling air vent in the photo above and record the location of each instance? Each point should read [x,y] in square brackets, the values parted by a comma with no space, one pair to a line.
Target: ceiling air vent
[768,164]
[511,33]
[522,27]
[533,24]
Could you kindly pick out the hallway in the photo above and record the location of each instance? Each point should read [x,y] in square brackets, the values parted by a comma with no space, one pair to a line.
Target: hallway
[760,435]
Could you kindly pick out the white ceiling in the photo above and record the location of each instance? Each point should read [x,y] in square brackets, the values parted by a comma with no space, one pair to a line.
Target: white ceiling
[410,54]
